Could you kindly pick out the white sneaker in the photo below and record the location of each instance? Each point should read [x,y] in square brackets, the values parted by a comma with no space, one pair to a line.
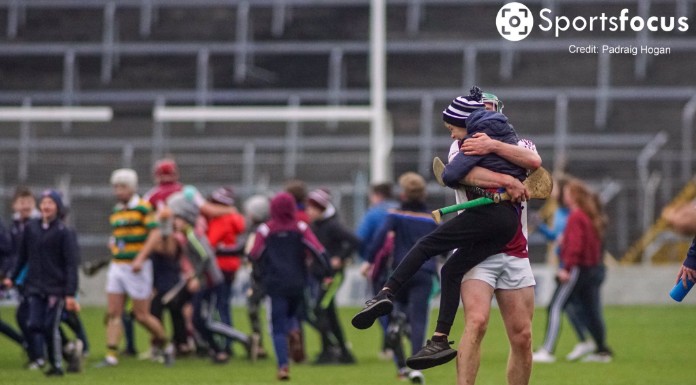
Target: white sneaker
[602,357]
[75,361]
[543,356]
[416,377]
[581,349]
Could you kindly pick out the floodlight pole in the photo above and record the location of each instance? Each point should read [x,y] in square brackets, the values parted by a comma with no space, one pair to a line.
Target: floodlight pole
[380,128]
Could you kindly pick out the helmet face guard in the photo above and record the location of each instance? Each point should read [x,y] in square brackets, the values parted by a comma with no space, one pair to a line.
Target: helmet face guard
[490,98]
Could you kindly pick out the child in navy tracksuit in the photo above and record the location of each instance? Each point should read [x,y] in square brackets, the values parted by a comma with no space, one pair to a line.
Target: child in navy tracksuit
[49,250]
[408,224]
[24,207]
[281,247]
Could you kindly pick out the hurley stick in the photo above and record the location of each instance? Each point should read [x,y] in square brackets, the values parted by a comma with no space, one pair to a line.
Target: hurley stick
[539,185]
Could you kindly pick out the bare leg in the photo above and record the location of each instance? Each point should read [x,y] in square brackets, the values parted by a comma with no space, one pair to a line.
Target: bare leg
[114,330]
[517,309]
[141,309]
[476,296]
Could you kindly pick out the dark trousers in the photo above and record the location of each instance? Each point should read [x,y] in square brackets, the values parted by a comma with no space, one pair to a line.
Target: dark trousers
[35,341]
[223,305]
[476,234]
[44,318]
[414,301]
[11,333]
[328,323]
[410,316]
[204,309]
[257,294]
[587,293]
[285,308]
[583,290]
[72,319]
[128,321]
[576,318]
[176,314]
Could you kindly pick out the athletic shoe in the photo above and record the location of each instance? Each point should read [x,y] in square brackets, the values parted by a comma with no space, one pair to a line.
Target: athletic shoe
[54,372]
[263,354]
[221,358]
[36,365]
[296,346]
[150,354]
[107,362]
[346,357]
[129,353]
[581,349]
[326,357]
[378,306]
[602,357]
[434,353]
[283,374]
[253,348]
[543,356]
[416,377]
[75,358]
[386,354]
[168,355]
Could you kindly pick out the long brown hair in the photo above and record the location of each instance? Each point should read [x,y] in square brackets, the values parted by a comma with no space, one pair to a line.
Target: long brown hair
[588,201]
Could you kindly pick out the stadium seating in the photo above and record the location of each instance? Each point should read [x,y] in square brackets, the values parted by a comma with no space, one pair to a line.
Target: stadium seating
[135,54]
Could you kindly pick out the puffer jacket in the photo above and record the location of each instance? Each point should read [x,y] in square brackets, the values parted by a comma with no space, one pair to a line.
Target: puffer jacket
[496,126]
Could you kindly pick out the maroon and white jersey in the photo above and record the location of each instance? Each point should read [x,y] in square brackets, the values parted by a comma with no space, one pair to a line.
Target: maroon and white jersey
[518,246]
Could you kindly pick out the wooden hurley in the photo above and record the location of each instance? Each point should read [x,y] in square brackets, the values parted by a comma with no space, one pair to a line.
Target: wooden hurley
[539,184]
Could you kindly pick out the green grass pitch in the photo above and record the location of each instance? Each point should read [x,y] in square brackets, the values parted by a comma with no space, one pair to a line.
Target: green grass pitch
[652,345]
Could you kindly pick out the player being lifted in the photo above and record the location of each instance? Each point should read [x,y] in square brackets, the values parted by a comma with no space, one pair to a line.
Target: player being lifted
[475,233]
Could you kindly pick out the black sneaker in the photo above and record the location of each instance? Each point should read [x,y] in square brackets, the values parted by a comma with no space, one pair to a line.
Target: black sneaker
[434,353]
[54,372]
[346,357]
[378,306]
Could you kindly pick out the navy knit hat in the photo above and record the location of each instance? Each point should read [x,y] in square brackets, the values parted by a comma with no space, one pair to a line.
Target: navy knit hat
[462,106]
[55,196]
[460,109]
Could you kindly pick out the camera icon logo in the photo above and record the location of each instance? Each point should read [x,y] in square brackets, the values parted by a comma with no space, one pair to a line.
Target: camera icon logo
[514,21]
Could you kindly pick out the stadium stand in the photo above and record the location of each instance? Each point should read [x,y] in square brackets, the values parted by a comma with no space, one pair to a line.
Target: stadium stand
[613,120]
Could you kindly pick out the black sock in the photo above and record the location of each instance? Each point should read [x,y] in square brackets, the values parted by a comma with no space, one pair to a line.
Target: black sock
[439,338]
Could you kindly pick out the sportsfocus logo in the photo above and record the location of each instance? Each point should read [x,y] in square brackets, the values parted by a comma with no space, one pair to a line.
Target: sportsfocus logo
[514,21]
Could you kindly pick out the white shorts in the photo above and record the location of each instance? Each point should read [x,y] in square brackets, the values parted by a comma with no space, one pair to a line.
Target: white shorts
[503,271]
[120,279]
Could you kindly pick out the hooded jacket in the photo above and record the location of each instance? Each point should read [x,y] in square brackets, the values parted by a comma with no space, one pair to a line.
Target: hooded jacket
[281,246]
[496,126]
[409,224]
[51,255]
[334,236]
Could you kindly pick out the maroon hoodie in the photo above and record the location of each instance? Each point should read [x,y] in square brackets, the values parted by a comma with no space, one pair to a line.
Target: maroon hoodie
[282,245]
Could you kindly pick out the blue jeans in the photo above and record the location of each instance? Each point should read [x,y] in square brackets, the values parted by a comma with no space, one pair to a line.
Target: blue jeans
[284,312]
